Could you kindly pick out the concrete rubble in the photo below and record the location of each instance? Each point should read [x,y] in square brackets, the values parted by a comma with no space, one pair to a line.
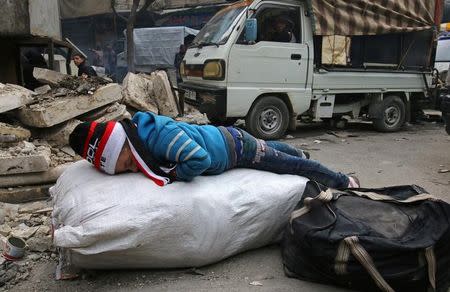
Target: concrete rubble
[49,77]
[53,111]
[11,135]
[32,223]
[13,96]
[34,133]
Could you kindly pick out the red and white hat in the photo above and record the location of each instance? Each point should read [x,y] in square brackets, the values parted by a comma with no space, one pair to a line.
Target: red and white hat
[102,143]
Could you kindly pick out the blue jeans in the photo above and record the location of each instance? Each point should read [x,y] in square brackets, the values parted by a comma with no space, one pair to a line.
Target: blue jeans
[282,158]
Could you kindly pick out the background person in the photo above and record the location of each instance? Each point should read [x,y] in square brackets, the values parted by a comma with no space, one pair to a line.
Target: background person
[84,70]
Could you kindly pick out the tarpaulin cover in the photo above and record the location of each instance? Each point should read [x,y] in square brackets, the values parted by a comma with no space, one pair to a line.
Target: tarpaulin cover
[157,46]
[127,221]
[370,17]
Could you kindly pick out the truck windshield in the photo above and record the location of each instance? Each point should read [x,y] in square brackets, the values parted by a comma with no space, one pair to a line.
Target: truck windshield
[443,51]
[219,28]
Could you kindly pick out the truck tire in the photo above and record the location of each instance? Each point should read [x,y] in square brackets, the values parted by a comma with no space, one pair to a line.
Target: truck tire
[393,113]
[268,118]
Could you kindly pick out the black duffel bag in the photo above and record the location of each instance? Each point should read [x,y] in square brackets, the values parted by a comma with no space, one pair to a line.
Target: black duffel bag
[389,239]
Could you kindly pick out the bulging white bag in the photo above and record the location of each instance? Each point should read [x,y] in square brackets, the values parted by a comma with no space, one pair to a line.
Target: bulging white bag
[127,221]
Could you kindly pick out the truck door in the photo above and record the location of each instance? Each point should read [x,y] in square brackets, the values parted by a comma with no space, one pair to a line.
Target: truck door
[276,62]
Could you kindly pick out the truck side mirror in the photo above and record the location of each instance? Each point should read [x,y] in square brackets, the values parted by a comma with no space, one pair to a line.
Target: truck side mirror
[251,30]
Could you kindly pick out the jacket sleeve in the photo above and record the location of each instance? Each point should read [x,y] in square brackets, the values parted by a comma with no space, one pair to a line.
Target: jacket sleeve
[191,159]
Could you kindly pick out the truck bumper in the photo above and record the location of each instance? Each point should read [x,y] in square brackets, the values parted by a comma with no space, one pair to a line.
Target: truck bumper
[208,99]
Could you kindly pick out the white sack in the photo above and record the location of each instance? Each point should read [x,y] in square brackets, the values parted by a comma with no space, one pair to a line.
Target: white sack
[127,221]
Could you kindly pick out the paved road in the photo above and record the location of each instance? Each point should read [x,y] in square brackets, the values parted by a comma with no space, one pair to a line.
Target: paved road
[413,156]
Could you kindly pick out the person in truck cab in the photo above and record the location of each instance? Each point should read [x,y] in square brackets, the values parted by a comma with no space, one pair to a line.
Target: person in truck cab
[165,151]
[282,30]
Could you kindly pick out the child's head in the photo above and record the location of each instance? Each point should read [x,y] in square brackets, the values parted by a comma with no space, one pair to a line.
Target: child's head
[105,145]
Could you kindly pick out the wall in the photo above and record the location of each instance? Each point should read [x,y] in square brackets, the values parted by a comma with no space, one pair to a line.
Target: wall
[44,18]
[35,17]
[14,19]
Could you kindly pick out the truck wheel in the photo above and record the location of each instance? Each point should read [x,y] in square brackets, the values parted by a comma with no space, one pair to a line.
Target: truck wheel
[393,112]
[268,118]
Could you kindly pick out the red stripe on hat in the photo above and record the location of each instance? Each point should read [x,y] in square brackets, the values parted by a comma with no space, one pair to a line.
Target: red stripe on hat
[102,144]
[157,181]
[89,136]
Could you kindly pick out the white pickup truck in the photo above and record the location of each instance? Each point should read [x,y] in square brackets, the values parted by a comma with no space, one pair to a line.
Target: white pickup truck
[273,62]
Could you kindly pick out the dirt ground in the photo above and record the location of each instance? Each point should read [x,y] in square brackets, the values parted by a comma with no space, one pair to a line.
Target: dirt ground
[415,155]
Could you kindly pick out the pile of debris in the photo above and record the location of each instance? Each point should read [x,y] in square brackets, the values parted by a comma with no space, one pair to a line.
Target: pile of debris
[34,132]
[31,222]
[35,125]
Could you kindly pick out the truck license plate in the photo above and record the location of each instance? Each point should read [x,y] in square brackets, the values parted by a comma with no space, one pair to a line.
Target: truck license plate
[189,94]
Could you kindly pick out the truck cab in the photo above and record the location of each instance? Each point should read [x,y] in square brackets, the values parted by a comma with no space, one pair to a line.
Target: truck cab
[261,61]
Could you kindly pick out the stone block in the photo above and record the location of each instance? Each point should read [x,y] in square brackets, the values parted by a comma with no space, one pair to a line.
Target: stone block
[57,135]
[163,95]
[115,111]
[14,96]
[5,229]
[48,76]
[24,231]
[138,92]
[24,158]
[24,194]
[43,89]
[40,244]
[50,112]
[10,134]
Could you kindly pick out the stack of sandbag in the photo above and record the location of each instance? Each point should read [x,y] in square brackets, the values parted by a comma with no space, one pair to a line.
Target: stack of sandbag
[127,221]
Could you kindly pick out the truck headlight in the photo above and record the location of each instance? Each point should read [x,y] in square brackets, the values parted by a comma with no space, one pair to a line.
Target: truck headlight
[182,69]
[214,70]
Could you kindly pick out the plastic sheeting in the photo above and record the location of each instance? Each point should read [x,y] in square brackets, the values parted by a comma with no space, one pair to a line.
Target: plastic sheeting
[370,17]
[127,221]
[156,47]
[80,8]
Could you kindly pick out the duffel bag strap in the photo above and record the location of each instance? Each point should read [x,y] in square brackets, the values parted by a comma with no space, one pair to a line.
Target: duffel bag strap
[366,261]
[379,197]
[324,196]
[431,263]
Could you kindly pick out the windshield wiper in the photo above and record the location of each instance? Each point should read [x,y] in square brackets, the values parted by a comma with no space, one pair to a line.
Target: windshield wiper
[204,44]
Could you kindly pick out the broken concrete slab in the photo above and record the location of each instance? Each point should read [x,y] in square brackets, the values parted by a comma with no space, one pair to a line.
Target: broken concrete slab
[113,112]
[57,135]
[33,207]
[24,158]
[51,112]
[40,244]
[24,194]
[48,76]
[138,92]
[163,95]
[24,231]
[43,89]
[10,134]
[5,229]
[14,96]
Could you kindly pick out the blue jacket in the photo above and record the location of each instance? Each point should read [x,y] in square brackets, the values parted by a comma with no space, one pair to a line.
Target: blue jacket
[195,149]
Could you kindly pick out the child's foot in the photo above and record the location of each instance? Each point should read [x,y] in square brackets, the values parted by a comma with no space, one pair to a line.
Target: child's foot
[353,182]
[306,154]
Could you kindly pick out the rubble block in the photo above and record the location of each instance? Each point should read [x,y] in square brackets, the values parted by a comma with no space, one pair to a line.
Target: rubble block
[50,112]
[43,89]
[10,134]
[24,158]
[24,194]
[115,111]
[14,96]
[138,92]
[26,179]
[59,134]
[48,76]
[163,95]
